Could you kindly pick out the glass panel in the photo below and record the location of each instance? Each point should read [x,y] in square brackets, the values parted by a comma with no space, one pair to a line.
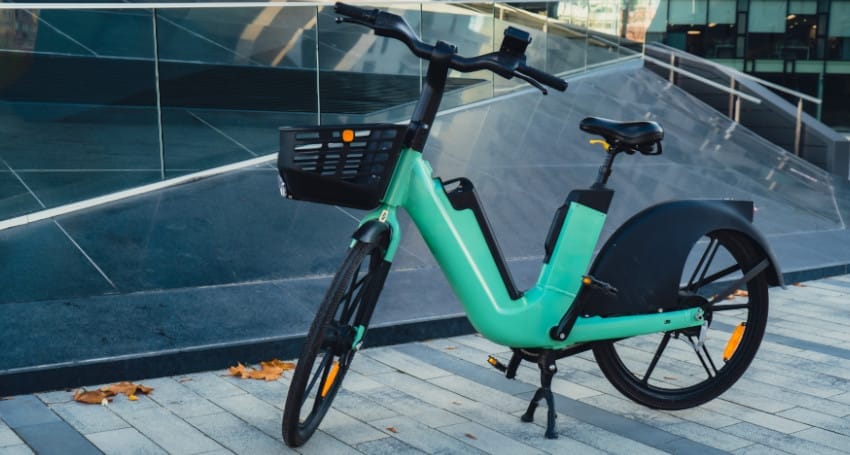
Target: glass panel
[362,74]
[77,106]
[687,11]
[603,22]
[800,37]
[229,78]
[567,45]
[803,7]
[722,12]
[470,27]
[839,19]
[767,16]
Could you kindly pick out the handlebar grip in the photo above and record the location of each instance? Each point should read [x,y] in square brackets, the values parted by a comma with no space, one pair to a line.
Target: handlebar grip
[544,78]
[357,13]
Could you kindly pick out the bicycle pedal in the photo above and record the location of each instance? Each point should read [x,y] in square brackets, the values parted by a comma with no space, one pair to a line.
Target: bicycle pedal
[495,363]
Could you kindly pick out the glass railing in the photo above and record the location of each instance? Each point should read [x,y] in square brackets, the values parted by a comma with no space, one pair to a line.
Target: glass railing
[97,101]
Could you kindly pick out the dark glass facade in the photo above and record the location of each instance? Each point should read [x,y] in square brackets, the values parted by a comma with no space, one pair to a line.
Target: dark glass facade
[801,44]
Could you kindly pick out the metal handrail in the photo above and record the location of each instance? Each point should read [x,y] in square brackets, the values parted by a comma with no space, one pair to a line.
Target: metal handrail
[705,81]
[738,74]
[735,96]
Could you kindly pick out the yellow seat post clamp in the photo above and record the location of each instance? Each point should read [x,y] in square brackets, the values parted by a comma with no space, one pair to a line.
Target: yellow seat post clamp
[602,142]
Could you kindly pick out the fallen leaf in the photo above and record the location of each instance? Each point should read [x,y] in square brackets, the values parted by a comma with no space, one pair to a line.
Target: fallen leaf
[104,395]
[269,371]
[91,397]
[470,436]
[392,429]
[182,380]
[450,348]
[127,388]
[738,293]
[800,285]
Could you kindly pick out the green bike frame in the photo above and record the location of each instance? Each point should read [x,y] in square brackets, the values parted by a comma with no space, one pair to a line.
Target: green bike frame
[458,244]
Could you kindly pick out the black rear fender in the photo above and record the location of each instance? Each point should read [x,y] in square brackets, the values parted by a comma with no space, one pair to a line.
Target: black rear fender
[644,258]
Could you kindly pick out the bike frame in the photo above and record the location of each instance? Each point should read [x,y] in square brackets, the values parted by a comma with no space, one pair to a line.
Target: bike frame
[457,242]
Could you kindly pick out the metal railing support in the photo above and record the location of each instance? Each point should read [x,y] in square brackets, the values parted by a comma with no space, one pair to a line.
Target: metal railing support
[798,127]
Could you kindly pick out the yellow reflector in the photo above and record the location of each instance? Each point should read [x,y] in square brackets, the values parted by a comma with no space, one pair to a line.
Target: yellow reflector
[329,381]
[347,136]
[586,281]
[734,341]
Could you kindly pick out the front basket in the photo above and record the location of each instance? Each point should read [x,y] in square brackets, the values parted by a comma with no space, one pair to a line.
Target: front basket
[347,165]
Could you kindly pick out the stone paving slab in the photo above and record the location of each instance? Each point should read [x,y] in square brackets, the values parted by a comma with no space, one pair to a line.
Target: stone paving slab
[440,396]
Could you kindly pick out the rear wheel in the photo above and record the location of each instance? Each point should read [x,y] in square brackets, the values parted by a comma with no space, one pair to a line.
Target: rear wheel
[684,368]
[334,337]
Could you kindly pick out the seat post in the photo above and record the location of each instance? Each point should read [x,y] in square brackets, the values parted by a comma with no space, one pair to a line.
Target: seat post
[605,169]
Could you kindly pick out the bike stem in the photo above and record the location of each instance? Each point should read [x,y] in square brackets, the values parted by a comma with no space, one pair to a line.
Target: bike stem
[432,93]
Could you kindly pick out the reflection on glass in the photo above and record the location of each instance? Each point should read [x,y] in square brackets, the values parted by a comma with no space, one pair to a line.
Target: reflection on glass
[363,74]
[229,78]
[470,27]
[77,106]
[79,94]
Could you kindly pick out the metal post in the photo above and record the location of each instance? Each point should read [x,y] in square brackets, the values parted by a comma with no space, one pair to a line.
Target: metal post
[672,71]
[737,110]
[731,96]
[799,127]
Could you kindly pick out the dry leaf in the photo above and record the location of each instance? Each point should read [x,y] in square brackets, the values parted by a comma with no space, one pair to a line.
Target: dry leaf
[269,371]
[392,429]
[91,397]
[800,285]
[104,395]
[182,380]
[470,436]
[127,388]
[450,348]
[738,293]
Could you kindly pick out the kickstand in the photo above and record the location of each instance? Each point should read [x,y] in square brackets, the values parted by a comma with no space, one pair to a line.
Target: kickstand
[547,366]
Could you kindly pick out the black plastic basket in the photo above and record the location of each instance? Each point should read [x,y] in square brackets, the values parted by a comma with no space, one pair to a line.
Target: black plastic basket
[317,165]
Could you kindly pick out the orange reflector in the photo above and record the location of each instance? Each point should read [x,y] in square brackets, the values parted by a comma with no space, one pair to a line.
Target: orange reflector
[329,381]
[586,281]
[734,341]
[347,136]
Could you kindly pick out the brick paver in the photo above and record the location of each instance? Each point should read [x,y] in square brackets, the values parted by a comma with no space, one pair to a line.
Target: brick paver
[441,396]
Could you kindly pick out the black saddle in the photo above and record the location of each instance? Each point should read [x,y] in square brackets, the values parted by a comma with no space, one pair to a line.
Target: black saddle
[635,134]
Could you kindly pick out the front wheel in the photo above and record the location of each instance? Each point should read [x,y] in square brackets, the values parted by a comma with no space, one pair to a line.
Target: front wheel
[680,369]
[334,337]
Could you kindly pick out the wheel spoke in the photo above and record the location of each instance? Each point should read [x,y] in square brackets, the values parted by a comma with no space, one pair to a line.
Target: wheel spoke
[699,356]
[704,264]
[348,301]
[716,276]
[710,360]
[737,284]
[656,357]
[323,367]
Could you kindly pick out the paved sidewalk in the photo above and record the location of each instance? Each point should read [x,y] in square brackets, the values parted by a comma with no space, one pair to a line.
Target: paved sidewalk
[441,396]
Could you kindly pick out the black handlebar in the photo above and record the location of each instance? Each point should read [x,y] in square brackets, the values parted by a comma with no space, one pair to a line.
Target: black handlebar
[356,13]
[505,64]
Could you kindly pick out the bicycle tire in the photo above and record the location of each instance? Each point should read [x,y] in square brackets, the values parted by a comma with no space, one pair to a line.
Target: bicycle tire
[333,340]
[631,364]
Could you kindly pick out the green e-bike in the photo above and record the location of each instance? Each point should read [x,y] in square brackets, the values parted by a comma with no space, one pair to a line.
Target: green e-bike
[673,307]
